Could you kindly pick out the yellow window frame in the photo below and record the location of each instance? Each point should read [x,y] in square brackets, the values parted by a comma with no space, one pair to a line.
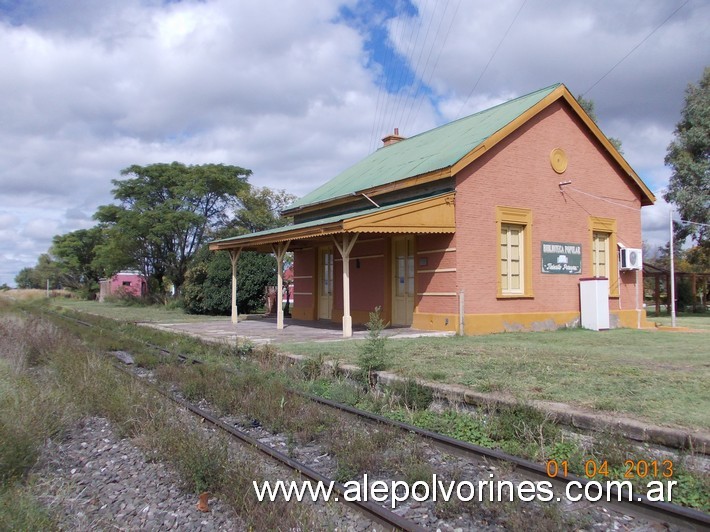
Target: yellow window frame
[607,226]
[523,218]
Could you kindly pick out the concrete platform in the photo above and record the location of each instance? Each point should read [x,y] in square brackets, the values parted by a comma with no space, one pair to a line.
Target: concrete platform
[262,330]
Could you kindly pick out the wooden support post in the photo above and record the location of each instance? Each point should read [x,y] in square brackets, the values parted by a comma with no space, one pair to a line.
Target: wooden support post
[234,257]
[345,248]
[280,250]
[694,290]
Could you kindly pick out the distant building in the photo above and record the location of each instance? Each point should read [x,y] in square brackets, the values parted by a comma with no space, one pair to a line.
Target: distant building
[489,223]
[129,283]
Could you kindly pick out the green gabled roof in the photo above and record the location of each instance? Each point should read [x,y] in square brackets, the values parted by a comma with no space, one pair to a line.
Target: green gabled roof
[427,152]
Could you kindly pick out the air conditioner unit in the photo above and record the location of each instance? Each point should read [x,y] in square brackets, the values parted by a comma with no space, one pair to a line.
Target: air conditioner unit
[630,259]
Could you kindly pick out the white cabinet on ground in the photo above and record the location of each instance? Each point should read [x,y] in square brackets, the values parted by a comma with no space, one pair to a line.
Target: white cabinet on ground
[594,303]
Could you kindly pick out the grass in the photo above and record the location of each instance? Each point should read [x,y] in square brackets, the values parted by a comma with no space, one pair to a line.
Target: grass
[697,322]
[134,313]
[654,376]
[258,393]
[658,377]
[49,378]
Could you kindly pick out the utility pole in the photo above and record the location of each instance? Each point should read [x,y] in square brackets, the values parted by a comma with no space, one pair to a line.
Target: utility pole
[672,299]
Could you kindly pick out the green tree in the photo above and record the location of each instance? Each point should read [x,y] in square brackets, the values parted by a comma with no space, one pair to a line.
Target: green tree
[260,209]
[208,283]
[45,270]
[207,288]
[688,156]
[164,214]
[25,278]
[75,255]
[588,106]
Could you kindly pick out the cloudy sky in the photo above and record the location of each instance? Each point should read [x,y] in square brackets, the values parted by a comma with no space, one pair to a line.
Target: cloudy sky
[299,90]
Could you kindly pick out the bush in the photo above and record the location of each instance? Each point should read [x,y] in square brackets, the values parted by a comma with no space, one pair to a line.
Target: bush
[208,284]
[373,355]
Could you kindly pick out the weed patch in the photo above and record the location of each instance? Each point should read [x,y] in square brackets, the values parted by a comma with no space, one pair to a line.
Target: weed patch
[412,394]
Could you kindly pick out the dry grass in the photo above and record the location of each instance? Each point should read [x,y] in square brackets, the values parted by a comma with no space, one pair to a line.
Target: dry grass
[30,294]
[48,378]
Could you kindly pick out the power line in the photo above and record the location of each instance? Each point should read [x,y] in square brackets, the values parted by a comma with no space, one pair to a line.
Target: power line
[426,82]
[401,77]
[636,209]
[491,58]
[415,69]
[405,94]
[635,47]
[377,120]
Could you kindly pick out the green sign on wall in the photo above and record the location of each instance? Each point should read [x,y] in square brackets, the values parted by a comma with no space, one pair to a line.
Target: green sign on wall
[561,257]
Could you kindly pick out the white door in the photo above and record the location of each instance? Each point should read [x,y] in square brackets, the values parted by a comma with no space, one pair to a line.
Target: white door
[403,282]
[325,283]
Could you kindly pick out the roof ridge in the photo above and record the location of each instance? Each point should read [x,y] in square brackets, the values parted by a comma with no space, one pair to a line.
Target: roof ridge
[549,88]
[423,153]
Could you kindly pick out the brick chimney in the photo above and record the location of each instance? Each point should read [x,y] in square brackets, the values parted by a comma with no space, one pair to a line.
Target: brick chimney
[391,139]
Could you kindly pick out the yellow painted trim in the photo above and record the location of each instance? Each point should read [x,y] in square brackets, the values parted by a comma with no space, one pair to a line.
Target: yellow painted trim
[528,321]
[303,313]
[605,225]
[359,317]
[516,216]
[647,197]
[438,270]
[429,215]
[447,294]
[432,215]
[445,250]
[630,318]
[430,321]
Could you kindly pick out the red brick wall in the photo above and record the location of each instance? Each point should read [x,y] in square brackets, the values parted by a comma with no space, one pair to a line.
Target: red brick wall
[367,282]
[430,248]
[304,283]
[517,173]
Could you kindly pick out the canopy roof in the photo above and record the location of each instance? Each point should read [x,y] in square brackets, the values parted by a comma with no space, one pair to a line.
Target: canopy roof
[430,214]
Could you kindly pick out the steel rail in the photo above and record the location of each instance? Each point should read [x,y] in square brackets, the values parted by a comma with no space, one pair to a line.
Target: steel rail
[639,504]
[376,513]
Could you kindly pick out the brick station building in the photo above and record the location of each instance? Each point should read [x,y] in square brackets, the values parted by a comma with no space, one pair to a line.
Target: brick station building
[488,223]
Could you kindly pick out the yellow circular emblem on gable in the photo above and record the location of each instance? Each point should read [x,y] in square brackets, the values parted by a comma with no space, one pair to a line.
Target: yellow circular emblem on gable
[558,160]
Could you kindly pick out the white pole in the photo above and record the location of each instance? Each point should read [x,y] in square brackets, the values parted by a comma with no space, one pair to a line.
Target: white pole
[234,257]
[638,305]
[672,298]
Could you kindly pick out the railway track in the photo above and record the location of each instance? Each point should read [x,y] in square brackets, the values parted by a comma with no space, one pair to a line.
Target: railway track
[638,505]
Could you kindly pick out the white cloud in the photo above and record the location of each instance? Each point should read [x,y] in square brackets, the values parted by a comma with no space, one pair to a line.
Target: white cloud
[287,89]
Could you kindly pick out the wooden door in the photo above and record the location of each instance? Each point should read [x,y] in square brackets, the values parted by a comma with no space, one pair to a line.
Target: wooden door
[403,282]
[325,283]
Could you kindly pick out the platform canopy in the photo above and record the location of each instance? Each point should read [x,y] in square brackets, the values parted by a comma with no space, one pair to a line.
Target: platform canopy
[432,214]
